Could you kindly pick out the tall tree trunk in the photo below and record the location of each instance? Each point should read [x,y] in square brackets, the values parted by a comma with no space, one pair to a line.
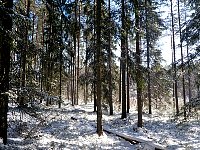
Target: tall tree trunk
[86,71]
[61,50]
[174,65]
[188,61]
[123,61]
[42,64]
[98,64]
[49,46]
[173,85]
[110,63]
[5,48]
[182,63]
[72,79]
[24,51]
[74,71]
[95,70]
[148,55]
[95,98]
[128,88]
[68,84]
[78,51]
[86,66]
[120,83]
[75,52]
[127,74]
[138,64]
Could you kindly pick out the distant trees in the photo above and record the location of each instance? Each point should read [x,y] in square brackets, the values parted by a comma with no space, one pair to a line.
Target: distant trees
[184,27]
[190,36]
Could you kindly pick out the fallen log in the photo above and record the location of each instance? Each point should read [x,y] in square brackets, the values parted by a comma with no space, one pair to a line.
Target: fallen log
[132,139]
[121,136]
[136,140]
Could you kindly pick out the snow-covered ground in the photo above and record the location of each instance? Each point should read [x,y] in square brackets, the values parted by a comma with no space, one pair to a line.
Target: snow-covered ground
[73,127]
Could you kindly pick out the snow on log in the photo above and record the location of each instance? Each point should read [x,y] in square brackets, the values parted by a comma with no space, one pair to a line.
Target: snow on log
[136,140]
[131,139]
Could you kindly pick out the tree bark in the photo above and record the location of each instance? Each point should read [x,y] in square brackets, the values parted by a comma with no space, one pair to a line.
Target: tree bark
[5,48]
[99,59]
[174,65]
[139,79]
[148,55]
[110,63]
[123,61]
[182,62]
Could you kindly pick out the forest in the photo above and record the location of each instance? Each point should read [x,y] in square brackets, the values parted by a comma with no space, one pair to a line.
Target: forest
[92,74]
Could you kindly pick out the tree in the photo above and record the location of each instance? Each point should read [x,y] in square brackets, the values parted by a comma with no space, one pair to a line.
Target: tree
[98,66]
[182,57]
[110,63]
[123,60]
[5,49]
[147,4]
[139,79]
[174,61]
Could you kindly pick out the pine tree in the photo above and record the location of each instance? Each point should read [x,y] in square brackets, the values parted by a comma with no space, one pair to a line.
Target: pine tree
[5,49]
[139,79]
[98,67]
[123,61]
[147,5]
[110,63]
[174,61]
[182,57]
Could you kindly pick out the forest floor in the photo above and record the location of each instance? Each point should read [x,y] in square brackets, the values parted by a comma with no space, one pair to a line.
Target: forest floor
[72,128]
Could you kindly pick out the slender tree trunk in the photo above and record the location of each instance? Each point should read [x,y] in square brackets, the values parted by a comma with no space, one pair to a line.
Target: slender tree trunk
[86,66]
[5,49]
[74,71]
[68,86]
[189,73]
[123,61]
[61,50]
[95,98]
[95,71]
[75,52]
[188,62]
[182,63]
[173,85]
[174,65]
[127,74]
[148,54]
[120,83]
[128,87]
[138,63]
[110,64]
[42,64]
[72,79]
[24,51]
[78,52]
[86,71]
[99,62]
[60,86]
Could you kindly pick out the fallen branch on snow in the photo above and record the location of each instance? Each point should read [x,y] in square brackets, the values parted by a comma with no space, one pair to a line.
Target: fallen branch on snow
[131,139]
